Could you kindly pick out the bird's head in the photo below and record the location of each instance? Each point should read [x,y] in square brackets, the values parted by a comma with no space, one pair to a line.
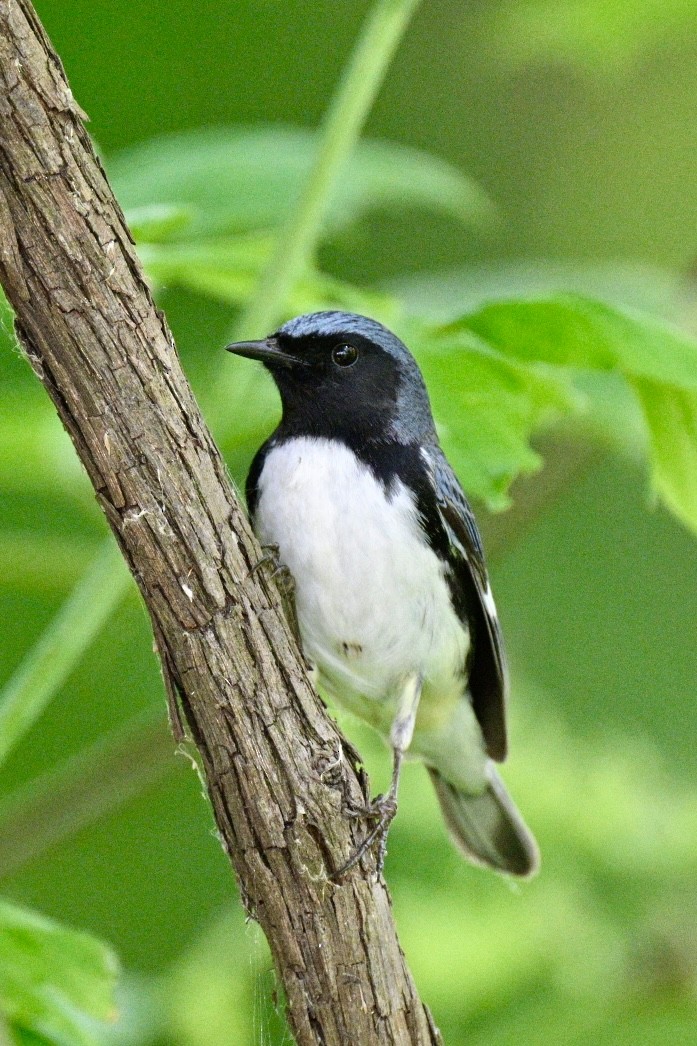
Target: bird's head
[344,375]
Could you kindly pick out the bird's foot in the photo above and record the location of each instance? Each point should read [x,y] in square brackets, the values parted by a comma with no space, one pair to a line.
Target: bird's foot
[377,809]
[381,809]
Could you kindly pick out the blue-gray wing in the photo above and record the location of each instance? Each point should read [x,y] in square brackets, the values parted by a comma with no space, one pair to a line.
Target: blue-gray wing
[488,671]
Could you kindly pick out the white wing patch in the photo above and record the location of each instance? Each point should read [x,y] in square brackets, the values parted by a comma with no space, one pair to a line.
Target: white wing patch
[488,601]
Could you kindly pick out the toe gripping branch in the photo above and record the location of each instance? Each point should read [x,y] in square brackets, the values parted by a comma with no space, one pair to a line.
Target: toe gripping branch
[381,809]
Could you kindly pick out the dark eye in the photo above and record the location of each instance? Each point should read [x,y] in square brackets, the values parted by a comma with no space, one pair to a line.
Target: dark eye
[344,355]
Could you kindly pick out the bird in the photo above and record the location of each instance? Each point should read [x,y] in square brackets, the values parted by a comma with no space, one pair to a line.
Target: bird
[392,596]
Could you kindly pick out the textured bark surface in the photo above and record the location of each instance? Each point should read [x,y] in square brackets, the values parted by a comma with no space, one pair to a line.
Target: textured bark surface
[279,774]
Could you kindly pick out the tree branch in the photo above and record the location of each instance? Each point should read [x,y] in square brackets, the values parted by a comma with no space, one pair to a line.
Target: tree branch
[278,772]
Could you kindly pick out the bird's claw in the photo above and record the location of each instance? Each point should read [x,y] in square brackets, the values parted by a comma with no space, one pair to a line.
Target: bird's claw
[378,808]
[382,809]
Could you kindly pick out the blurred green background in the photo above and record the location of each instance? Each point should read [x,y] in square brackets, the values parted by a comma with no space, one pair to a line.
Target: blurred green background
[579,120]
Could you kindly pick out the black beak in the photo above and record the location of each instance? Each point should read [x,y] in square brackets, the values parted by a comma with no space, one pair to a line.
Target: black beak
[267,351]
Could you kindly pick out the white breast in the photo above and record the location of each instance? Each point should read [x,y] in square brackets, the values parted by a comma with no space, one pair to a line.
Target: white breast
[372,601]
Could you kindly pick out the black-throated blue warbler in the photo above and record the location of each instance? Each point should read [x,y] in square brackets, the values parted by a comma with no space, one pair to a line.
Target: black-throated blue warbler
[392,594]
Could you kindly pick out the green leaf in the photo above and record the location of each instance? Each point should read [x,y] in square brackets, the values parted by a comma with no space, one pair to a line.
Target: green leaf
[571,331]
[158,222]
[487,407]
[228,270]
[54,981]
[239,180]
[6,315]
[658,361]
[671,416]
[446,294]
[48,664]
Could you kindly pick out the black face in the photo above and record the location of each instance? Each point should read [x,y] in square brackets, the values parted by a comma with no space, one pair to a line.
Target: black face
[334,385]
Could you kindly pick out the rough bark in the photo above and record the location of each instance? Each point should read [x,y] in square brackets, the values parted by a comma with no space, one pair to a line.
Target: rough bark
[278,773]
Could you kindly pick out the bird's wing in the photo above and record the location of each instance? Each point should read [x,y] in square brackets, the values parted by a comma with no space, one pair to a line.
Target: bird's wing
[488,672]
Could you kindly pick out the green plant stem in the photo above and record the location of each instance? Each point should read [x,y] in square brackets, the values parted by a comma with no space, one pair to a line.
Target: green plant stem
[297,241]
[93,783]
[48,664]
[341,128]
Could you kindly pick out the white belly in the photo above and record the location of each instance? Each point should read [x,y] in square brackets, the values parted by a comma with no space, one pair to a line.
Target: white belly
[372,602]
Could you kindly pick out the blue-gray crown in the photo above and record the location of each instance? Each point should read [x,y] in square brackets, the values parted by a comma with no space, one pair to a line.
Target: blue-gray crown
[413,408]
[335,322]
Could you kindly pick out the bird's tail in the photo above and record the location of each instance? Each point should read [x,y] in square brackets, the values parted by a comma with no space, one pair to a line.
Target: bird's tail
[487,827]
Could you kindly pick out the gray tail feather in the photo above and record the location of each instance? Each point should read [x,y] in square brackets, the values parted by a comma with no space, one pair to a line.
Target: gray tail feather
[488,828]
